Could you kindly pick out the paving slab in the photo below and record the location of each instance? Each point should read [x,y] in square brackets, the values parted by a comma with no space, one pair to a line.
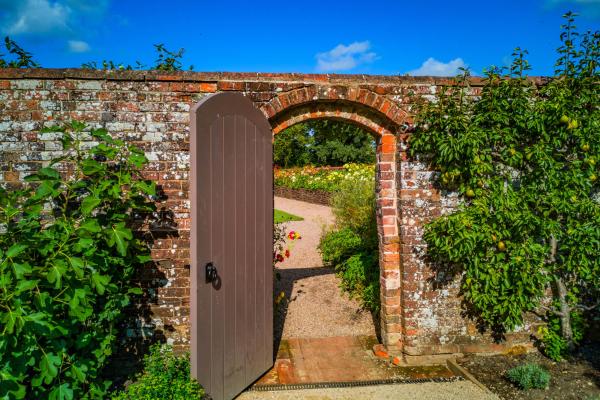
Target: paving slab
[340,359]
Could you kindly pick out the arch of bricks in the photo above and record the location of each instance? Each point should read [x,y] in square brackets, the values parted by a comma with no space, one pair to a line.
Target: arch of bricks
[421,315]
[384,119]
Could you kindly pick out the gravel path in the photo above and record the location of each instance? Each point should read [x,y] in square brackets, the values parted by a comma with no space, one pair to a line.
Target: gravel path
[460,390]
[316,306]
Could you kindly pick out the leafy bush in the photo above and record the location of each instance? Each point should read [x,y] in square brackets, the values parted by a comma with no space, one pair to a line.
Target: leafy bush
[324,178]
[338,245]
[354,206]
[360,278]
[524,158]
[529,376]
[553,345]
[323,142]
[67,256]
[165,376]
[351,248]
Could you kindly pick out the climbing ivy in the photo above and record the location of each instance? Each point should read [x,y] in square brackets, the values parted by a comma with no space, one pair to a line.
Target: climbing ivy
[524,158]
[67,258]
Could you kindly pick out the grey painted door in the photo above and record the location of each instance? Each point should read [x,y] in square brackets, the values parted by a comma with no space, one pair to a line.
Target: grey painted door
[231,244]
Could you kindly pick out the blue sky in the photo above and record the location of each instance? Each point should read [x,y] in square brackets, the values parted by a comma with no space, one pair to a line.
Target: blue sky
[421,37]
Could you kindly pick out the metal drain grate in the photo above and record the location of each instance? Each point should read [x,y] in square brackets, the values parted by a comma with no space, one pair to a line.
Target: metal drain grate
[328,385]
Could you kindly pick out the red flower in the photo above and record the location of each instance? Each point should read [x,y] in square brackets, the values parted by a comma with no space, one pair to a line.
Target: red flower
[279,258]
[292,235]
[287,253]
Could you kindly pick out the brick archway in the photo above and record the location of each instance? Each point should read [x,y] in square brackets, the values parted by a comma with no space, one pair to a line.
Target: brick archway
[384,120]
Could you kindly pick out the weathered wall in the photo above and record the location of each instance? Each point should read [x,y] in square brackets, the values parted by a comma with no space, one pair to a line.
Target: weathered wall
[420,316]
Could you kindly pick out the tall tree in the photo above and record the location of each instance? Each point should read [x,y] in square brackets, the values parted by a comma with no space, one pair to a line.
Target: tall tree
[524,157]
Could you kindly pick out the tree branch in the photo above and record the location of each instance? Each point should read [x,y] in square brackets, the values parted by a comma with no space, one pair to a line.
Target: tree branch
[587,308]
[551,310]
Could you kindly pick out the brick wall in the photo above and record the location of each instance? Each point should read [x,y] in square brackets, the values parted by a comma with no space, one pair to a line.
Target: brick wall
[420,316]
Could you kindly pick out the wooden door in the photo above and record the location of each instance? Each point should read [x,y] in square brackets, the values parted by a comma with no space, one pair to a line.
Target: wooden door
[231,244]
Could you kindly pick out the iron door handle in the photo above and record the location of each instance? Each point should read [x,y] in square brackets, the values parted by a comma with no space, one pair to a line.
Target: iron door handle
[211,272]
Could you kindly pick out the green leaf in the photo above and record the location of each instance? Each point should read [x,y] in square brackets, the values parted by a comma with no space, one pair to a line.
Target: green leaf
[139,160]
[90,225]
[57,270]
[78,373]
[78,265]
[101,134]
[90,166]
[25,285]
[21,269]
[147,187]
[15,250]
[48,173]
[62,392]
[99,282]
[119,236]
[135,290]
[89,204]
[48,367]
[144,258]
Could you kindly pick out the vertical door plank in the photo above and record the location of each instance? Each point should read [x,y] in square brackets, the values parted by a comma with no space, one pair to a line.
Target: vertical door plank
[218,250]
[261,261]
[251,248]
[241,327]
[229,274]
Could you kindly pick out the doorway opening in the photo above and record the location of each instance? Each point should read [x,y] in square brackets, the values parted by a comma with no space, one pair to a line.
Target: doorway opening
[327,278]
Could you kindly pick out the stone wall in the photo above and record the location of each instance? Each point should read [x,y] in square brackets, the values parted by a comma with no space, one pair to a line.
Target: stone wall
[420,316]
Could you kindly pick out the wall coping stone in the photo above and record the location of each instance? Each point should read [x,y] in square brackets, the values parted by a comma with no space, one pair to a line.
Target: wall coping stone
[193,76]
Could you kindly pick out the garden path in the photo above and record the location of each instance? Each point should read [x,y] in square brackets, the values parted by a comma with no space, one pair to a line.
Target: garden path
[314,305]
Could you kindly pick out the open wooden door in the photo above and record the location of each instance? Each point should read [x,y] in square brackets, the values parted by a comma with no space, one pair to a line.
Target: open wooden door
[231,244]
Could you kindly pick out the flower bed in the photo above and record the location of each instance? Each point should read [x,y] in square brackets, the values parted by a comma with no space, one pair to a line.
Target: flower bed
[323,178]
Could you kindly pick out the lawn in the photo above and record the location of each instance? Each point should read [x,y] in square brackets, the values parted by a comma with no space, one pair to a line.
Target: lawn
[282,216]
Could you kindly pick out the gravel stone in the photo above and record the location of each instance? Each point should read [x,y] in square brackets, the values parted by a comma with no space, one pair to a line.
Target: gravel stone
[314,305]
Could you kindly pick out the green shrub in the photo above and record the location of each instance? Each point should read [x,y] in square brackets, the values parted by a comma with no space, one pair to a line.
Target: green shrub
[529,376]
[553,345]
[67,257]
[165,376]
[337,246]
[352,248]
[360,278]
[354,207]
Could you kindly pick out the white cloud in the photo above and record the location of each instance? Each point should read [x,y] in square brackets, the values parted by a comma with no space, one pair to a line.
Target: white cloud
[78,46]
[342,57]
[433,67]
[35,17]
[49,17]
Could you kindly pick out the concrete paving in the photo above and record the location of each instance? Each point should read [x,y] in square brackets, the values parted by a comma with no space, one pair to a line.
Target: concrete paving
[460,390]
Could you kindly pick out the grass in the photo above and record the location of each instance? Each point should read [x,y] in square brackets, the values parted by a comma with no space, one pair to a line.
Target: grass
[282,216]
